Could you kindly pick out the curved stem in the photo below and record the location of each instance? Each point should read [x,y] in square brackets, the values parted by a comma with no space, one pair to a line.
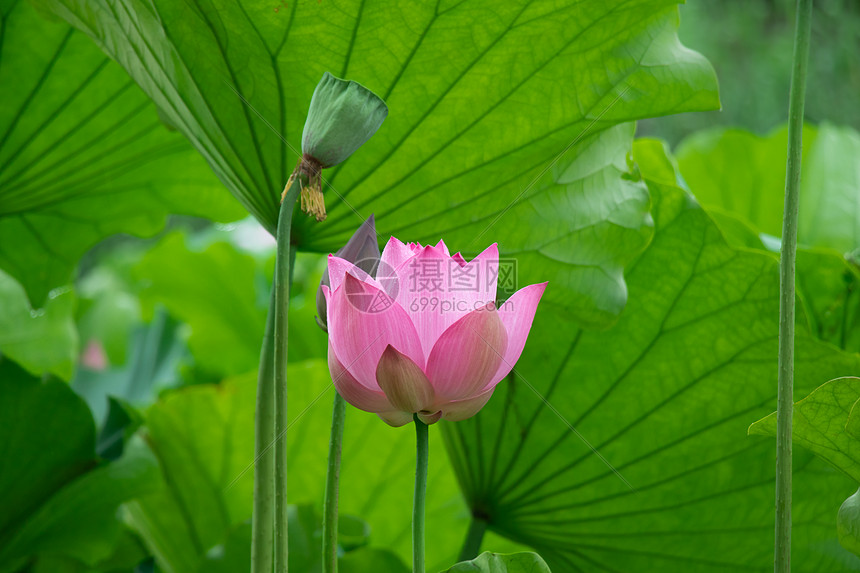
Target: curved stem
[282,307]
[421,435]
[329,524]
[262,523]
[785,398]
[474,537]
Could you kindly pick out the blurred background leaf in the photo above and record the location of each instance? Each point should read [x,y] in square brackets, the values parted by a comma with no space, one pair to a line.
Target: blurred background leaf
[740,173]
[58,500]
[44,340]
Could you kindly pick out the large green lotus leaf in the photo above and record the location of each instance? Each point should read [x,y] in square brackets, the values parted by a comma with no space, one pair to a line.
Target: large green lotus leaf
[626,450]
[55,500]
[738,172]
[203,436]
[222,293]
[83,154]
[825,422]
[484,98]
[502,563]
[827,283]
[44,340]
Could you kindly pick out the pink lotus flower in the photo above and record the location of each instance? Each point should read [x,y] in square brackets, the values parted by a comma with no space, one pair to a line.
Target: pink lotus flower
[423,336]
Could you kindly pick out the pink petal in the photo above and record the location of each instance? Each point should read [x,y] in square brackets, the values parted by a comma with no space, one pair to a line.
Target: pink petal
[338,268]
[94,356]
[436,290]
[488,263]
[467,355]
[395,418]
[459,258]
[352,390]
[395,253]
[462,409]
[404,382]
[517,314]
[441,246]
[362,322]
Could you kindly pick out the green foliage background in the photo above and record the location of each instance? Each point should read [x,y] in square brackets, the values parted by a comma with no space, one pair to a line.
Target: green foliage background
[127,364]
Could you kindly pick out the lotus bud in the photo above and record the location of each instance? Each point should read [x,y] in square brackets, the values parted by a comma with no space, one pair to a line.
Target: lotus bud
[342,116]
[362,249]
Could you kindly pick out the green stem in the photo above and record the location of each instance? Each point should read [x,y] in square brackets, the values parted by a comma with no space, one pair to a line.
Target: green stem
[788,253]
[421,436]
[262,523]
[474,537]
[338,415]
[282,306]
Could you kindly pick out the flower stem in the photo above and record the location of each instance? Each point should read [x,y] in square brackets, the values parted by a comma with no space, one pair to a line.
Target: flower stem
[338,415]
[421,435]
[262,524]
[282,306]
[474,537]
[788,251]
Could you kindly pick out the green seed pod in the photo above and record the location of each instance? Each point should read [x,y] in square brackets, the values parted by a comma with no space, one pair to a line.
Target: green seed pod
[342,116]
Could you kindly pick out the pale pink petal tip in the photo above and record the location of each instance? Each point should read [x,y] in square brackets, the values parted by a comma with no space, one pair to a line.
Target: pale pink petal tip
[338,268]
[395,254]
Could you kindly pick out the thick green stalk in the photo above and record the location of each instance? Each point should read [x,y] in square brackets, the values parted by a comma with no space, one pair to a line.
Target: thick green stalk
[421,435]
[262,523]
[474,537]
[788,251]
[332,481]
[282,307]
